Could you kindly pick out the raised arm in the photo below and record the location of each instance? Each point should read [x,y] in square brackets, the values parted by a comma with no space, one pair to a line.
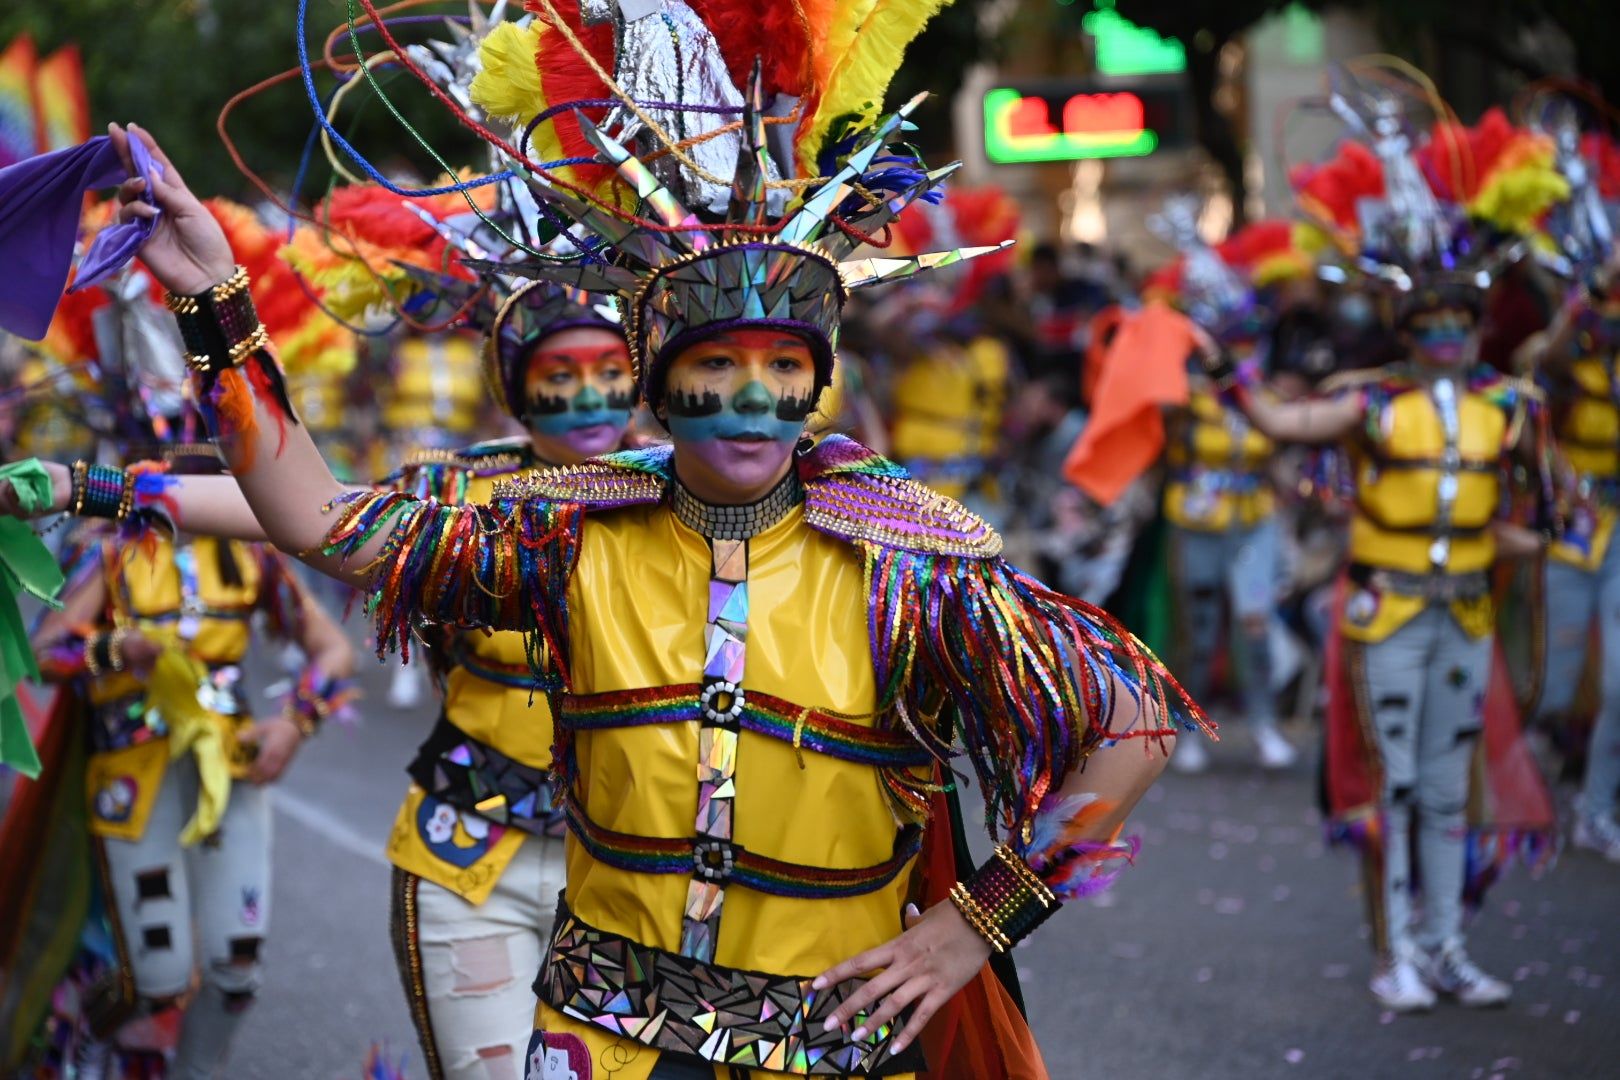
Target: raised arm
[1314,421]
[201,505]
[280,472]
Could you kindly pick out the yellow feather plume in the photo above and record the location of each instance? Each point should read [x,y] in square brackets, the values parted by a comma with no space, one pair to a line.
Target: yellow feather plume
[856,60]
[509,84]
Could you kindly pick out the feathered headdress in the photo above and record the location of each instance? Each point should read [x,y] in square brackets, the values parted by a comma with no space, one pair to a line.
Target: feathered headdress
[776,248]
[1431,213]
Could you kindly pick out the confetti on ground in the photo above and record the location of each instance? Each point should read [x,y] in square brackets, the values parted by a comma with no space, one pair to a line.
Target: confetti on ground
[1204,974]
[1229,905]
[1336,971]
[1294,1056]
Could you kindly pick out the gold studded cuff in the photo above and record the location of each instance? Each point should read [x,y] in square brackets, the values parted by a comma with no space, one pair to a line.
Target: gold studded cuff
[220,327]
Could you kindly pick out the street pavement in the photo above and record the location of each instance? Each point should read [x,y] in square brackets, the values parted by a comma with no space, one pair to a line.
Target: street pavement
[1234,949]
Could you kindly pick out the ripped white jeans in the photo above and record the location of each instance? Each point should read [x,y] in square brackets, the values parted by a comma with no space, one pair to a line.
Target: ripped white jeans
[475,963]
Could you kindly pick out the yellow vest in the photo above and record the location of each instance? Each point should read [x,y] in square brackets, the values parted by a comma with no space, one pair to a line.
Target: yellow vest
[1401,474]
[480,701]
[1217,468]
[1588,431]
[436,384]
[151,591]
[947,412]
[808,645]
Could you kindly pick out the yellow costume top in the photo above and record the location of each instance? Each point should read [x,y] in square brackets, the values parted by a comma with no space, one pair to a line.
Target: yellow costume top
[1588,429]
[436,387]
[947,412]
[198,595]
[1217,479]
[454,830]
[748,724]
[1428,484]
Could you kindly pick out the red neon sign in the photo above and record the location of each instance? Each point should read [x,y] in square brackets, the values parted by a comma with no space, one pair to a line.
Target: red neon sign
[1095,125]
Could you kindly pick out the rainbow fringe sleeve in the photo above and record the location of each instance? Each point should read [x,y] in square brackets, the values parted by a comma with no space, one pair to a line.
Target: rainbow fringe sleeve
[504,565]
[1033,675]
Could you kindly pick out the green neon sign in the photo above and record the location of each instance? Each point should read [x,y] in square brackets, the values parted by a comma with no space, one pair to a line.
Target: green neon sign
[1019,130]
[1123,48]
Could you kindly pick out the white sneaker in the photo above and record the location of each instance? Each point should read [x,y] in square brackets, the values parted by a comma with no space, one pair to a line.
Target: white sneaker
[405,689]
[1190,755]
[1398,986]
[1599,834]
[1275,751]
[1449,971]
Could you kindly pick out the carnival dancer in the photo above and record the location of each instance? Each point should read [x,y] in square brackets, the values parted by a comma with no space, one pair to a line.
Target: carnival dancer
[1434,444]
[1219,499]
[1576,363]
[1575,360]
[154,634]
[725,610]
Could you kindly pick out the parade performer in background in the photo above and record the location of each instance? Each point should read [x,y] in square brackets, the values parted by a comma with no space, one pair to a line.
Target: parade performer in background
[1574,361]
[1224,547]
[153,634]
[1435,445]
[710,608]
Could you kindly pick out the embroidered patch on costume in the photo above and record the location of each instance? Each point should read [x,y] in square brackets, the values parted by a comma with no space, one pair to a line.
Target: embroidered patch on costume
[558,1056]
[459,838]
[116,799]
[152,885]
[251,912]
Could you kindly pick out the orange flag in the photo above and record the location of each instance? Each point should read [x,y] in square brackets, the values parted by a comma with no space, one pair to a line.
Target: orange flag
[1143,370]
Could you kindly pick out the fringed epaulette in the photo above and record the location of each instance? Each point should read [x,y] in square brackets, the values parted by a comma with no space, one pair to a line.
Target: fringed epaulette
[1491,381]
[443,474]
[627,478]
[855,495]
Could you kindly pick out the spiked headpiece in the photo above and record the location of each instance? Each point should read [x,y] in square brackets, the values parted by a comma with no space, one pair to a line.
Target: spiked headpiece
[534,311]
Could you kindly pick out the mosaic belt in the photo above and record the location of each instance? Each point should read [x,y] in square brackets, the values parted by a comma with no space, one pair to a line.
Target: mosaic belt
[705,1011]
[470,775]
[723,862]
[760,714]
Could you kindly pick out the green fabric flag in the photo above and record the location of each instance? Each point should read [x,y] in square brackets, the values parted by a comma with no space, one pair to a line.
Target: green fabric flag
[25,564]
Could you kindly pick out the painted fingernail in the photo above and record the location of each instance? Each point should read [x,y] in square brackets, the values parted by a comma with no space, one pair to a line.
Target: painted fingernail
[857,1035]
[831,1024]
[818,983]
[913,909]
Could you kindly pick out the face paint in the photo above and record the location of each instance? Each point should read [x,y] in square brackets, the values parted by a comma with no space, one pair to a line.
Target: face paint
[578,394]
[736,406]
[1443,337]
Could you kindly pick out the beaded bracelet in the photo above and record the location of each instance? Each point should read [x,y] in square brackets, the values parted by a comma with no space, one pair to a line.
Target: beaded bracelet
[100,491]
[1004,900]
[104,653]
[220,327]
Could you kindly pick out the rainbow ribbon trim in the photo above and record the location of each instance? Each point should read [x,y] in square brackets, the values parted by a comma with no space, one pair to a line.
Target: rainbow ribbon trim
[761,714]
[674,855]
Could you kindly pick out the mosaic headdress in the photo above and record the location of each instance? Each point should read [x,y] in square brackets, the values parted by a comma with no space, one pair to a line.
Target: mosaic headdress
[534,311]
[686,272]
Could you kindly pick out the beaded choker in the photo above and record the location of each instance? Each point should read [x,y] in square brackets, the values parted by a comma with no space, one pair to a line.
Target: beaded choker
[736,522]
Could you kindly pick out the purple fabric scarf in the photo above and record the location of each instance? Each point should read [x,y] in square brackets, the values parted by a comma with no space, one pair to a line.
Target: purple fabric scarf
[40,201]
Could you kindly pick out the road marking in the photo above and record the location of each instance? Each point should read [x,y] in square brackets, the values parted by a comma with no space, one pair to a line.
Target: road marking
[330,827]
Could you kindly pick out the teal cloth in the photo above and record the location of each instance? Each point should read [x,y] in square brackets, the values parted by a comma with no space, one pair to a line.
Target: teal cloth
[25,564]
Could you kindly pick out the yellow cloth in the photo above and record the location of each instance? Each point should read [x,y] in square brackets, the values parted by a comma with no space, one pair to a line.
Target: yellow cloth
[1393,504]
[496,715]
[1218,440]
[807,644]
[171,691]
